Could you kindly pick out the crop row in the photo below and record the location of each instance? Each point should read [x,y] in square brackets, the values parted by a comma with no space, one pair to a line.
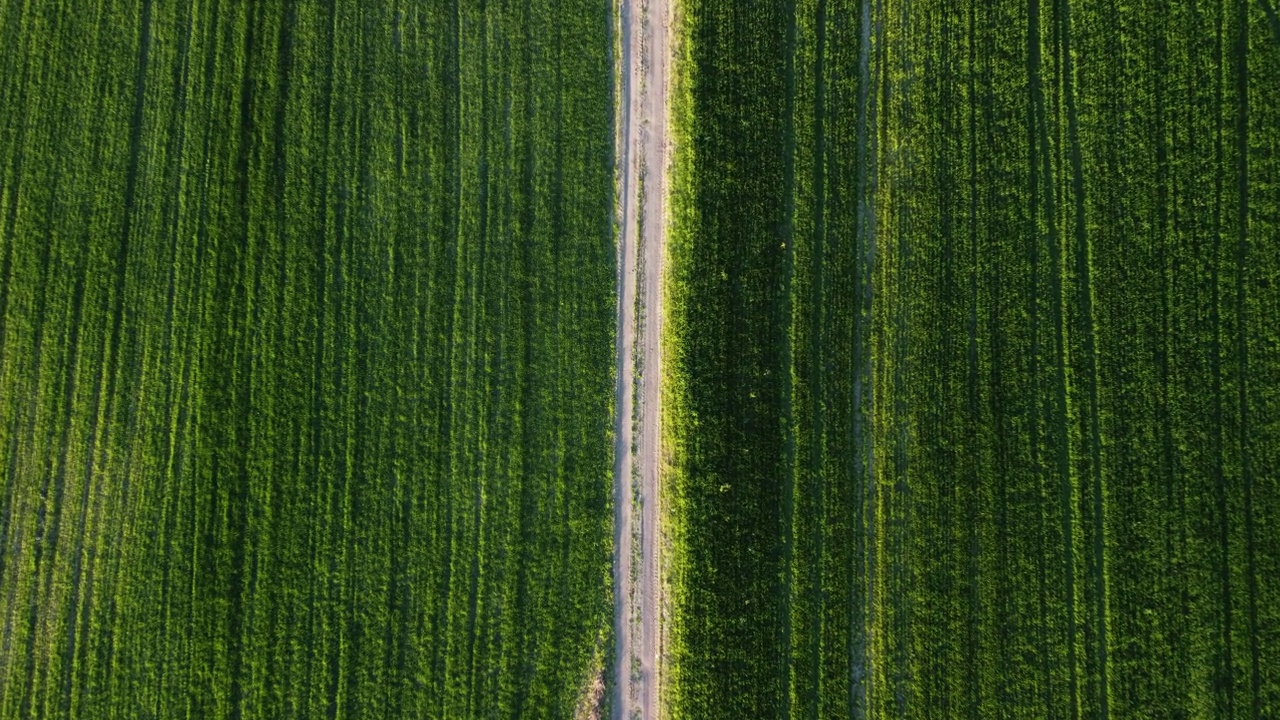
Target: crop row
[974,381]
[306,329]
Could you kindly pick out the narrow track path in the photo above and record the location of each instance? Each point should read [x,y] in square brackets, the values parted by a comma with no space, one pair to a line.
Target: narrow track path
[642,175]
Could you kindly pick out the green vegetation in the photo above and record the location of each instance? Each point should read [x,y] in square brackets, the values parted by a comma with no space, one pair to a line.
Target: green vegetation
[306,349]
[973,394]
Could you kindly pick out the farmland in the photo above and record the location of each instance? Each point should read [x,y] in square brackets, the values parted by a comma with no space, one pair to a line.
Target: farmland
[306,357]
[972,382]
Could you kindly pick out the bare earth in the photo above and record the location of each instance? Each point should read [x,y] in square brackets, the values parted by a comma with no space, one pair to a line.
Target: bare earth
[642,159]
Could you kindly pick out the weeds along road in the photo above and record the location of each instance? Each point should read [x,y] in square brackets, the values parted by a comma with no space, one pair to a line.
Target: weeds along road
[642,158]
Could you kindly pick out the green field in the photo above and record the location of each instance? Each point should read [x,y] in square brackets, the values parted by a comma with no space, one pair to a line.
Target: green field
[306,357]
[973,386]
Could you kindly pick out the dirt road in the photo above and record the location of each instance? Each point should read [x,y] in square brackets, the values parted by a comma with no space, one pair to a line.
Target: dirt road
[642,160]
